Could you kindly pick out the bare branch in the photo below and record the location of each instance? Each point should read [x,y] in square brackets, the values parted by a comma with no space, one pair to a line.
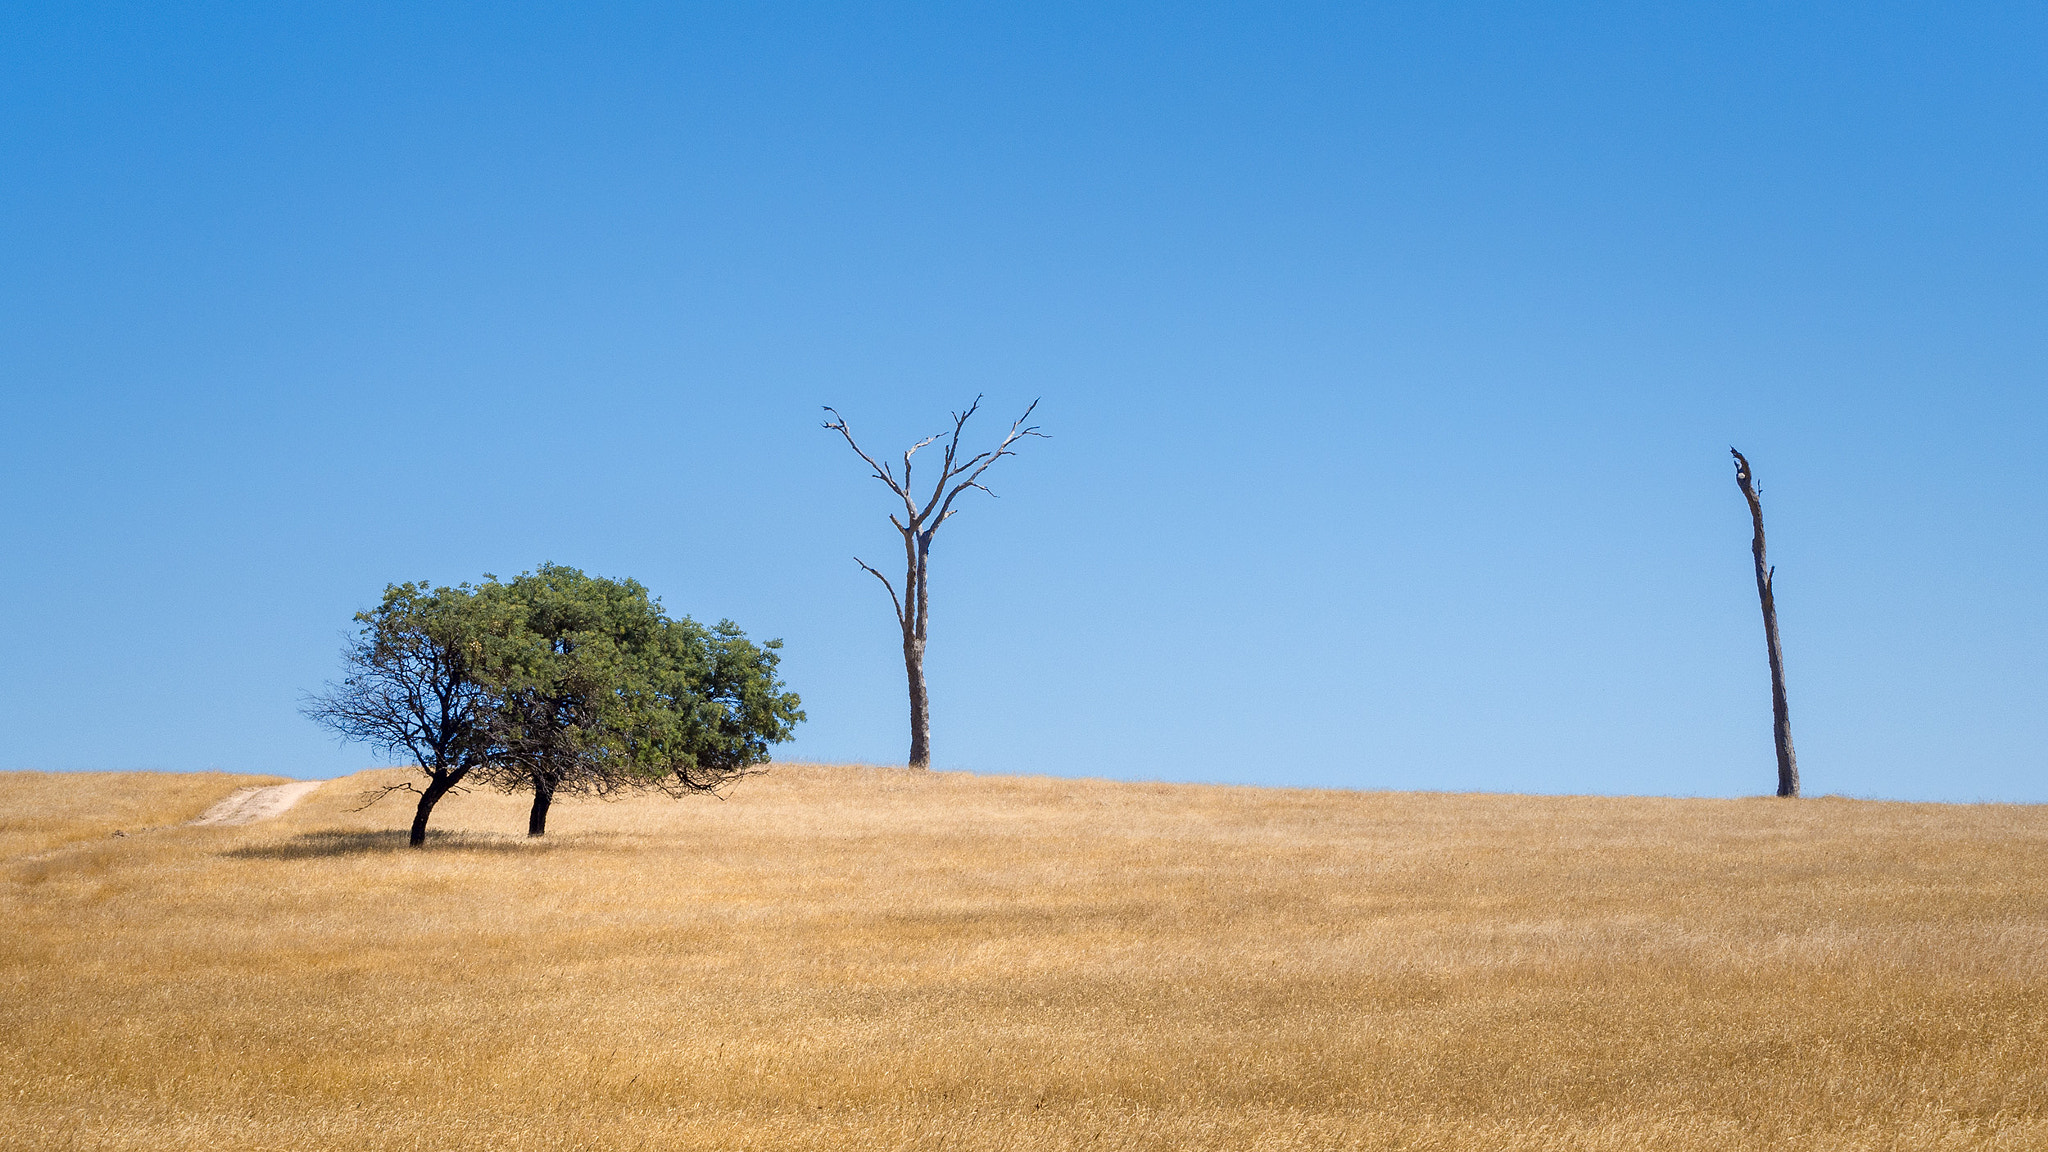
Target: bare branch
[1018,431]
[882,473]
[373,795]
[952,512]
[885,584]
[907,454]
[687,779]
[950,469]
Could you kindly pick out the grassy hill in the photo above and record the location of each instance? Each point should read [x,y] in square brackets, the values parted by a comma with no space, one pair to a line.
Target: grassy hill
[870,958]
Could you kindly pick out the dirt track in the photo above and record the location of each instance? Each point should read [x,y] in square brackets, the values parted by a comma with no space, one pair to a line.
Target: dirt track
[252,804]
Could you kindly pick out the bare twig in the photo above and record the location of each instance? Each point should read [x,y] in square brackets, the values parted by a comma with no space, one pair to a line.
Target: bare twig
[373,795]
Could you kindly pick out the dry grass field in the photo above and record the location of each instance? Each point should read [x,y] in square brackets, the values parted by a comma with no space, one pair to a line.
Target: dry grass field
[870,958]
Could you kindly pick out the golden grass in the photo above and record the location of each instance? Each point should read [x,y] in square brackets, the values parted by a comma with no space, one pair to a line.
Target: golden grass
[40,811]
[870,958]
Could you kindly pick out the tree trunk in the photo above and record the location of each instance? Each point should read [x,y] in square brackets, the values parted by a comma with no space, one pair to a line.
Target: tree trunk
[1781,720]
[920,706]
[543,795]
[436,789]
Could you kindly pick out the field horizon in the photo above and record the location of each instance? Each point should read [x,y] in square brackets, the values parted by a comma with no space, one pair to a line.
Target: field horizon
[842,956]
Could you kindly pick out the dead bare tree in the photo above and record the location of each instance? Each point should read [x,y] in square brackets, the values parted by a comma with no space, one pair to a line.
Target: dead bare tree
[918,523]
[1781,722]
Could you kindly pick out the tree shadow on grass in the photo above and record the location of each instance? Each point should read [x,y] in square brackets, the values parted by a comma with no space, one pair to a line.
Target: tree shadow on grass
[315,845]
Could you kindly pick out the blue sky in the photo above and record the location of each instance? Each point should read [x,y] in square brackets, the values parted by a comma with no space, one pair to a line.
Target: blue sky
[1391,356]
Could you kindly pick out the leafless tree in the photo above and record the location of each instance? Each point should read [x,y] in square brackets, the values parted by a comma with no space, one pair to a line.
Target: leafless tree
[1781,722]
[917,523]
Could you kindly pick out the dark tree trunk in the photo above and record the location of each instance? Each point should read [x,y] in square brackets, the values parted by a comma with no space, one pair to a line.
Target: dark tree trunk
[1781,720]
[920,707]
[436,789]
[543,795]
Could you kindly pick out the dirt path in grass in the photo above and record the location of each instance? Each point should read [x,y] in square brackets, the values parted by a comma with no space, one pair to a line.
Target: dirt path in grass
[252,804]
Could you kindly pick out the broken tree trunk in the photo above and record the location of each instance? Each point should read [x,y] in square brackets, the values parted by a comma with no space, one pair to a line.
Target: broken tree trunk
[1781,722]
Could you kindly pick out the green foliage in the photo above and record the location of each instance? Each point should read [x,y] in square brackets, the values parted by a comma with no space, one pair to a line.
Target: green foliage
[599,690]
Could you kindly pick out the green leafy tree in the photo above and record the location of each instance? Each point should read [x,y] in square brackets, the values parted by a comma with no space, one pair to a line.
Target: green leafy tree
[600,692]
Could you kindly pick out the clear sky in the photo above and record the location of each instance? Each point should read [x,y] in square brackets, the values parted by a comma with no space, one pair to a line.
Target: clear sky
[1391,355]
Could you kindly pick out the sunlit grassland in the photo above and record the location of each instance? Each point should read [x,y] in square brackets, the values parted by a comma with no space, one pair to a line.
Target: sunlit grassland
[40,811]
[869,958]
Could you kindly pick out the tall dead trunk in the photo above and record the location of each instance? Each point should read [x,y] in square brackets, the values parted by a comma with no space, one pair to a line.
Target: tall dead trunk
[917,524]
[543,796]
[1781,721]
[437,787]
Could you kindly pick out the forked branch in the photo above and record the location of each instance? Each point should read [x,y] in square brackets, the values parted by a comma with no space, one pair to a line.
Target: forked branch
[881,471]
[981,463]
[921,520]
